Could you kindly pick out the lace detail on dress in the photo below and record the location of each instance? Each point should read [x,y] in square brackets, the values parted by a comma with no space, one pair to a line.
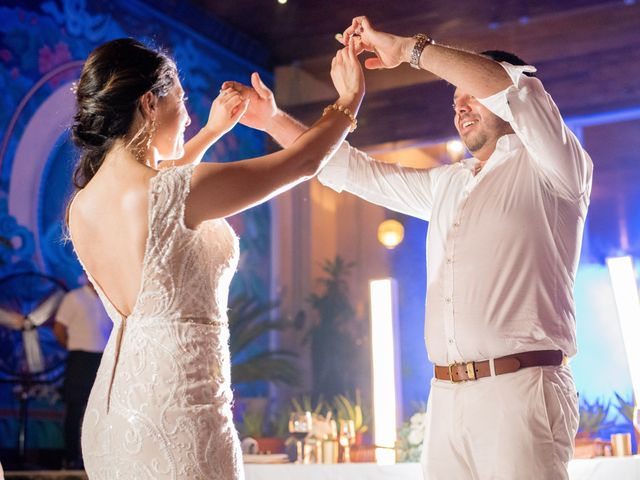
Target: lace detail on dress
[160,407]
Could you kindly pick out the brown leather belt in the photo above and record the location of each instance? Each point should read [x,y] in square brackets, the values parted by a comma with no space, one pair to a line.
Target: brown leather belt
[462,372]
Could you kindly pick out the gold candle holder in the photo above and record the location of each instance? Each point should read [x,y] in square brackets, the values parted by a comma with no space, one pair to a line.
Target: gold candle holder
[621,444]
[347,438]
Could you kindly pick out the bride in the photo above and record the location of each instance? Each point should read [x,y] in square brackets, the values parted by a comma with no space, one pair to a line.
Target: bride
[153,239]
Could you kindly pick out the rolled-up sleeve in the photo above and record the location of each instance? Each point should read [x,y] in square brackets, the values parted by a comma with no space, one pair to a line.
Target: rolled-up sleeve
[536,120]
[402,189]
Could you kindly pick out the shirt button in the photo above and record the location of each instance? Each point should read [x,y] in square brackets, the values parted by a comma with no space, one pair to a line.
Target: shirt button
[451,341]
[449,260]
[457,224]
[448,299]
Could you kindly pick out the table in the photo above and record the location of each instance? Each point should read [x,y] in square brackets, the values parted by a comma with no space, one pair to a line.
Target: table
[604,468]
[342,471]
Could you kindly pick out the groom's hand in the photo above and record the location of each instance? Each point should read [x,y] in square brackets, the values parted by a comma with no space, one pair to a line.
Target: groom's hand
[262,104]
[390,50]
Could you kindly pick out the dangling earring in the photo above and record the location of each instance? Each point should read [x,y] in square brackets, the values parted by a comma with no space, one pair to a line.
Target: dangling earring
[143,145]
[150,133]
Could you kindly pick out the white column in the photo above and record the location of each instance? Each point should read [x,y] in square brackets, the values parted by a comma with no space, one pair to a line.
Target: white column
[387,404]
[625,292]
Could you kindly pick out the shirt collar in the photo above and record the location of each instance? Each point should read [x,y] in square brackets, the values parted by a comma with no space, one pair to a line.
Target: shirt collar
[508,142]
[469,163]
[505,144]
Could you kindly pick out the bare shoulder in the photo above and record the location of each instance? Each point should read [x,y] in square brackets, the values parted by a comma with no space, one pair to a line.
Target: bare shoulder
[109,198]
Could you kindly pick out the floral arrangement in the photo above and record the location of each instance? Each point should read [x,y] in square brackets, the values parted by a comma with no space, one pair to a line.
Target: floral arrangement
[410,438]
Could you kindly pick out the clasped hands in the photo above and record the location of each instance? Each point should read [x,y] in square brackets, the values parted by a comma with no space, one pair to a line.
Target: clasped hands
[259,106]
[389,50]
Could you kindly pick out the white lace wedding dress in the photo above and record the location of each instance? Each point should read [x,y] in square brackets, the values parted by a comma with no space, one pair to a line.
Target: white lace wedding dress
[160,407]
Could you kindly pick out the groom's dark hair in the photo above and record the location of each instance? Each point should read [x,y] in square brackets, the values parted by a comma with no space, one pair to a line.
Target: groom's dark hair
[502,56]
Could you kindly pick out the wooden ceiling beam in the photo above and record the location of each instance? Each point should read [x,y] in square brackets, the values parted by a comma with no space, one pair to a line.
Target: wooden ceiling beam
[581,85]
[575,34]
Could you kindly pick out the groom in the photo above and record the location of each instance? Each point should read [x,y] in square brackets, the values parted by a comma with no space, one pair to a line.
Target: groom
[502,250]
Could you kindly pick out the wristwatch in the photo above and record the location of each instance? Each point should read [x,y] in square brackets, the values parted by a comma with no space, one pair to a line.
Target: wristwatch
[422,41]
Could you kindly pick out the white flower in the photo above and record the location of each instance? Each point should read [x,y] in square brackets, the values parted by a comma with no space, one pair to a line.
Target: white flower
[417,420]
[416,436]
[416,429]
[411,437]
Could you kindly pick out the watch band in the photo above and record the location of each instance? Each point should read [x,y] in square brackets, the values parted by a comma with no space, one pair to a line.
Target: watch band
[422,41]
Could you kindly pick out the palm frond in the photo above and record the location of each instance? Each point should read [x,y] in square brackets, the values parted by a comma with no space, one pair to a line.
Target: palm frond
[245,337]
[625,407]
[350,410]
[270,366]
[244,311]
[594,416]
[305,403]
[249,322]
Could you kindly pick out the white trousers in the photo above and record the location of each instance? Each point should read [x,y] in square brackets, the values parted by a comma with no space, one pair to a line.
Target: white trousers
[517,426]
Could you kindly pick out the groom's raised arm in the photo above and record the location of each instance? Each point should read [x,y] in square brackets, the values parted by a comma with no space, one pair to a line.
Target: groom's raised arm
[475,74]
[263,113]
[402,189]
[406,190]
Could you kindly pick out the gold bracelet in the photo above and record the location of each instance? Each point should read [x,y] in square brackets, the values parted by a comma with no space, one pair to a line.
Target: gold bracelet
[346,111]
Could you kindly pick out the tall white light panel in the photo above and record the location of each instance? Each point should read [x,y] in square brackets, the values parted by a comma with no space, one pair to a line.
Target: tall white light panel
[384,354]
[625,292]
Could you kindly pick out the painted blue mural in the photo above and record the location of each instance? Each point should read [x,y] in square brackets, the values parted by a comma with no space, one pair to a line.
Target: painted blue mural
[42,48]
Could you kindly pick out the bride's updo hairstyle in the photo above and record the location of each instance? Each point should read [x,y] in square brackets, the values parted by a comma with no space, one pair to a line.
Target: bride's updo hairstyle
[113,79]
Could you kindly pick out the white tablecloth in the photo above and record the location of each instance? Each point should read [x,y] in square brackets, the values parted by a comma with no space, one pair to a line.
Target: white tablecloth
[344,471]
[624,468]
[606,468]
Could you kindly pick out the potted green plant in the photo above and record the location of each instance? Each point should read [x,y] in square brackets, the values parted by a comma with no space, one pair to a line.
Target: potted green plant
[626,409]
[251,425]
[251,359]
[347,409]
[250,323]
[276,431]
[593,418]
[337,337]
[306,403]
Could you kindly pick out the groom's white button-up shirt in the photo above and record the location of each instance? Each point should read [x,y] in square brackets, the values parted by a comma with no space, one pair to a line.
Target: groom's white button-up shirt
[502,246]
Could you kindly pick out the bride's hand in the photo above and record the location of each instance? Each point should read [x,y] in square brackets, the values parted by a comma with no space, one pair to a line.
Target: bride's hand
[262,103]
[347,77]
[226,110]
[390,50]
